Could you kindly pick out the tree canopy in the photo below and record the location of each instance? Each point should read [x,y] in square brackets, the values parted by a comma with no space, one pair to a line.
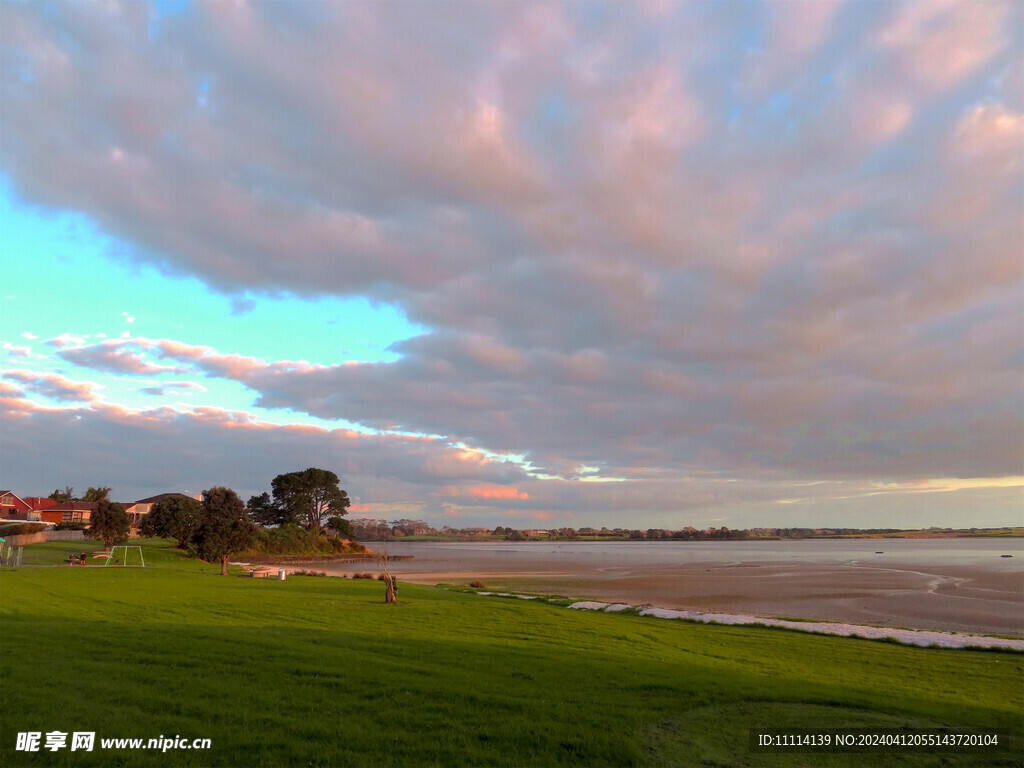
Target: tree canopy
[102,493]
[176,517]
[309,496]
[109,523]
[266,511]
[59,496]
[226,527]
[340,526]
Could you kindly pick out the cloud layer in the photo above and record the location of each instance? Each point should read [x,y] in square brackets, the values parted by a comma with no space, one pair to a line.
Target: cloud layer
[767,243]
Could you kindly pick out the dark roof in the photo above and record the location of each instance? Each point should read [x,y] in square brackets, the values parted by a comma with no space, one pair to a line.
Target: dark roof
[160,497]
[71,506]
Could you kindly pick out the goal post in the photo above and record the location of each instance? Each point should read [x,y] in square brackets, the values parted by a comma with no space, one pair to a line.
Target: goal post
[128,552]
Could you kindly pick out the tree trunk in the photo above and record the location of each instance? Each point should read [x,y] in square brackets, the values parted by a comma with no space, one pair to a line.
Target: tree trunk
[390,595]
[224,566]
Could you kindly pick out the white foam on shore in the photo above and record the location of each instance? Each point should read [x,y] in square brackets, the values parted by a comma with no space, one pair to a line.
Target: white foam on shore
[921,637]
[507,594]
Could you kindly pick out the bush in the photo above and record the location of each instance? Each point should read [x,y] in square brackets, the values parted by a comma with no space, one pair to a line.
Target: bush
[293,540]
[18,529]
[477,585]
[69,527]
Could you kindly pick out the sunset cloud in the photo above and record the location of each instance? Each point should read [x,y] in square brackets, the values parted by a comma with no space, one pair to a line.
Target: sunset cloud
[489,492]
[53,386]
[114,356]
[763,245]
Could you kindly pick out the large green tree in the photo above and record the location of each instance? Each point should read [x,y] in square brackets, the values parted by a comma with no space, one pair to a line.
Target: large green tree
[310,496]
[175,517]
[109,523]
[226,527]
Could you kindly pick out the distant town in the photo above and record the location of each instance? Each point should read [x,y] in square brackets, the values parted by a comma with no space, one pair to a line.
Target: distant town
[370,529]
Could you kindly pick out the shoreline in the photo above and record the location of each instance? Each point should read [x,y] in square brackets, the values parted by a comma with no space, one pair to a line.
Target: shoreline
[921,638]
[960,585]
[925,638]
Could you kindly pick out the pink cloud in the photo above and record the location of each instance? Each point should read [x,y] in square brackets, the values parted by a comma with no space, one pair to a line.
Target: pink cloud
[54,386]
[115,356]
[991,135]
[488,492]
[65,340]
[940,44]
[10,390]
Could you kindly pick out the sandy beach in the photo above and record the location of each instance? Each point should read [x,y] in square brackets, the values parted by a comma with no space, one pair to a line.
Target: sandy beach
[893,584]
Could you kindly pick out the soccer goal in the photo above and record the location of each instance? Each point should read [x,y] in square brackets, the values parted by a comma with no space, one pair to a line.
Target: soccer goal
[127,552]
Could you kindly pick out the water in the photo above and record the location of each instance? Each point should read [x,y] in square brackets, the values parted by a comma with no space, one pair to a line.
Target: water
[962,584]
[984,553]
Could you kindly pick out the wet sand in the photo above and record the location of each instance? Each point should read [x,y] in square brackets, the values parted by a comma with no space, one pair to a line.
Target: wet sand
[890,591]
[948,598]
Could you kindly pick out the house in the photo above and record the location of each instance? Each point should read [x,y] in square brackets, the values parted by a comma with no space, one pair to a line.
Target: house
[13,507]
[143,506]
[68,512]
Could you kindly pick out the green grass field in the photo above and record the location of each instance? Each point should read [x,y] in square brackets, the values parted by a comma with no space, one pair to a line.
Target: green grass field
[319,671]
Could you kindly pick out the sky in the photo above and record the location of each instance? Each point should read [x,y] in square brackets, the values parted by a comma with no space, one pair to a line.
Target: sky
[640,265]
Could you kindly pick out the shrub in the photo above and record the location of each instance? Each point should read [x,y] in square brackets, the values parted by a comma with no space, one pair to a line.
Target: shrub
[17,529]
[477,585]
[75,526]
[292,540]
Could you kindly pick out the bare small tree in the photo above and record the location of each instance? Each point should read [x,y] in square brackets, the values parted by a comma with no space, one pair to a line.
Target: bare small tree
[383,558]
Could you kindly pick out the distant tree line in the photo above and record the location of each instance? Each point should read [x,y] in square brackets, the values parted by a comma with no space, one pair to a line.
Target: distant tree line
[384,530]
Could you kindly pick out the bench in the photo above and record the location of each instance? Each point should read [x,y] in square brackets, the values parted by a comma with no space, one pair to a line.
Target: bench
[261,573]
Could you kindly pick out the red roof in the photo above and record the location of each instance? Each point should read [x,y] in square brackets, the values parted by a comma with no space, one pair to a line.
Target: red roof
[39,502]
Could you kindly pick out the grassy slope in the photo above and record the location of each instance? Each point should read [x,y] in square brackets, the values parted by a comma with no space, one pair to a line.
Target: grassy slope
[318,671]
